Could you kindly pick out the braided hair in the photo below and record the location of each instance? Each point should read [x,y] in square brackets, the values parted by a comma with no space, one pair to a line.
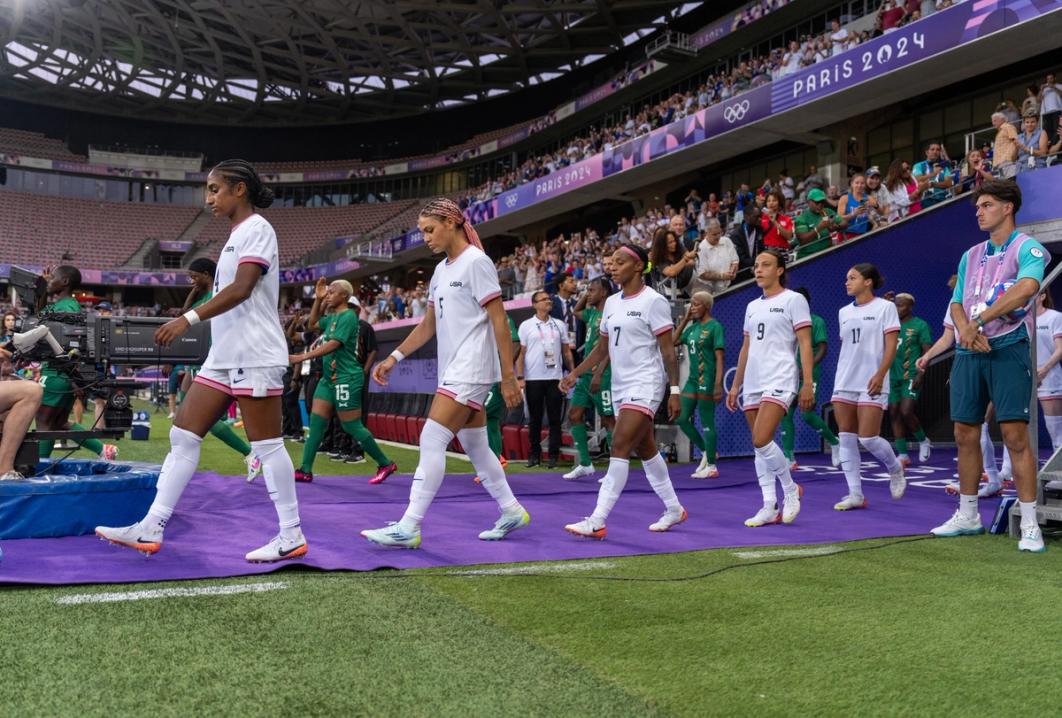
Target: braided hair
[443,208]
[236,171]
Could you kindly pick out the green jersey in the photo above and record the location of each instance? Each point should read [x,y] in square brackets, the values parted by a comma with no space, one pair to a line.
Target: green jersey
[66,304]
[808,222]
[202,300]
[914,334]
[342,327]
[702,339]
[818,336]
[592,318]
[514,333]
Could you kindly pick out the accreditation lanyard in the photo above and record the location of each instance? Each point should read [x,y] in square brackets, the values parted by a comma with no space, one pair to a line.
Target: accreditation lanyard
[998,274]
[548,353]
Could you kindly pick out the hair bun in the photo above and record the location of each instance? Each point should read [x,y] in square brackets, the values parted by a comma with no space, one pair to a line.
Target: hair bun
[263,197]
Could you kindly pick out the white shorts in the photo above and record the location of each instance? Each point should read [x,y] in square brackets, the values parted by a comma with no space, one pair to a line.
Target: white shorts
[1045,392]
[471,395]
[643,405]
[781,397]
[861,398]
[257,382]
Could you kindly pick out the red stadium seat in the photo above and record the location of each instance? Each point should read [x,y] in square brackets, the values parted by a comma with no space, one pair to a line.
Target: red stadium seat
[400,429]
[413,430]
[421,421]
[511,441]
[390,427]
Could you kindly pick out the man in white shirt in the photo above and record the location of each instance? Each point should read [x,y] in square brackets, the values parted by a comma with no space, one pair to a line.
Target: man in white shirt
[1050,106]
[717,260]
[544,344]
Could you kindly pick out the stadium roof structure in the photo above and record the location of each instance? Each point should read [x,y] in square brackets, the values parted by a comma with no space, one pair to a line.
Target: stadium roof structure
[302,62]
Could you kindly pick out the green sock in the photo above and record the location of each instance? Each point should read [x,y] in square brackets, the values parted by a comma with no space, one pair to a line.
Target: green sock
[706,409]
[901,445]
[230,438]
[815,422]
[45,448]
[788,434]
[93,445]
[318,427]
[494,435]
[355,428]
[685,422]
[180,397]
[920,435]
[581,444]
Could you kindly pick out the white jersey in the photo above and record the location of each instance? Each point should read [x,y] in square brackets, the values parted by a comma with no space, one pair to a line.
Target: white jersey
[1049,328]
[468,350]
[249,335]
[863,330]
[543,350]
[631,326]
[771,324]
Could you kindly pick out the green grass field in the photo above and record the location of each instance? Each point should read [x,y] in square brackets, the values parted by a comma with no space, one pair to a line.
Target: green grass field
[887,627]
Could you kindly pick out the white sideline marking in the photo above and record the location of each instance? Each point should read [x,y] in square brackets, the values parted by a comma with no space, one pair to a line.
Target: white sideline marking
[416,447]
[536,568]
[80,598]
[821,551]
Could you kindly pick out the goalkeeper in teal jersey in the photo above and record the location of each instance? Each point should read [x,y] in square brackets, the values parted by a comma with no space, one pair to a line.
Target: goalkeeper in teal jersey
[340,386]
[811,417]
[703,338]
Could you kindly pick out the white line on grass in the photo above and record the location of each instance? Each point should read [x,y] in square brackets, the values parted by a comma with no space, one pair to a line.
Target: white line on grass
[536,568]
[416,447]
[80,598]
[821,551]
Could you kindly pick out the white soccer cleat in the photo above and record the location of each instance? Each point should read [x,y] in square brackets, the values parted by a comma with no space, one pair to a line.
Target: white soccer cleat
[835,455]
[703,465]
[12,476]
[897,482]
[254,467]
[765,516]
[505,525]
[669,519]
[393,535]
[587,529]
[850,502]
[279,549]
[925,448]
[711,472]
[136,537]
[579,472]
[791,503]
[1032,539]
[959,525]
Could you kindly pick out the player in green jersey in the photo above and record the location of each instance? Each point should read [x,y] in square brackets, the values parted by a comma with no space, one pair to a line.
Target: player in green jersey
[494,404]
[201,272]
[340,386]
[811,417]
[594,388]
[906,380]
[703,338]
[58,399]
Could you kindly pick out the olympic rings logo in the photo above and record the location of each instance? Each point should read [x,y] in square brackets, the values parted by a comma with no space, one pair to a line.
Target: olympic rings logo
[511,201]
[736,112]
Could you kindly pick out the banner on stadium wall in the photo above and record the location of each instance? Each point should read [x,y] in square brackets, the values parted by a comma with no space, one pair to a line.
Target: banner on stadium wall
[166,245]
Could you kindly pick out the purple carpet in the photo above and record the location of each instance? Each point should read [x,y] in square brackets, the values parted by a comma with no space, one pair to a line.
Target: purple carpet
[220,518]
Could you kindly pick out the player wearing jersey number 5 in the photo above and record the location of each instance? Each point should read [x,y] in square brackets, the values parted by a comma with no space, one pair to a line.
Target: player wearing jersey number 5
[776,324]
[635,336]
[247,359]
[869,328]
[466,316]
[340,387]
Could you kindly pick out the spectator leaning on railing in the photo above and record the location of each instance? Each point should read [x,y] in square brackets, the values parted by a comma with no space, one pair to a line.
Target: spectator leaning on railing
[816,225]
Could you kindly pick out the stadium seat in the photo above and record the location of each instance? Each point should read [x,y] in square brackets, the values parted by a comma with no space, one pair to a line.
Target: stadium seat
[390,427]
[511,442]
[413,429]
[400,429]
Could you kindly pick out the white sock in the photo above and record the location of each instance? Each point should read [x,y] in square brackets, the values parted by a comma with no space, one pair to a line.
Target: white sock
[1054,428]
[611,488]
[968,505]
[988,455]
[177,471]
[881,451]
[1006,469]
[490,471]
[850,460]
[1028,513]
[279,475]
[656,472]
[766,479]
[777,464]
[429,474]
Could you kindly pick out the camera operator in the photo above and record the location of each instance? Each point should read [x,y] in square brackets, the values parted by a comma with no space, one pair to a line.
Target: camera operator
[19,402]
[58,398]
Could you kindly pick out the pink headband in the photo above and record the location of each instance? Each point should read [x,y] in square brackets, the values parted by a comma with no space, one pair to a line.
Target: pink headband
[631,252]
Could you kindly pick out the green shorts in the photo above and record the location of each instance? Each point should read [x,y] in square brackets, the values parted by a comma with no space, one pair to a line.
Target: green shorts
[900,390]
[1002,376]
[494,404]
[57,391]
[695,388]
[344,393]
[601,401]
[795,406]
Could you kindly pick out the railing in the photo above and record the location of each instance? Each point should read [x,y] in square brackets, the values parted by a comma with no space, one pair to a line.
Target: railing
[671,42]
[378,251]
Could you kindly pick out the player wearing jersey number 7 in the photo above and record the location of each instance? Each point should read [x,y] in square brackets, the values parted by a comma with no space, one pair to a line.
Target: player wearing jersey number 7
[466,316]
[635,336]
[776,324]
[869,329]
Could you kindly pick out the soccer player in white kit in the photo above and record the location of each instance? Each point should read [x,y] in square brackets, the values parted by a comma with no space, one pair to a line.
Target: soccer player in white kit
[635,336]
[870,327]
[776,324]
[247,360]
[1048,372]
[468,320]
